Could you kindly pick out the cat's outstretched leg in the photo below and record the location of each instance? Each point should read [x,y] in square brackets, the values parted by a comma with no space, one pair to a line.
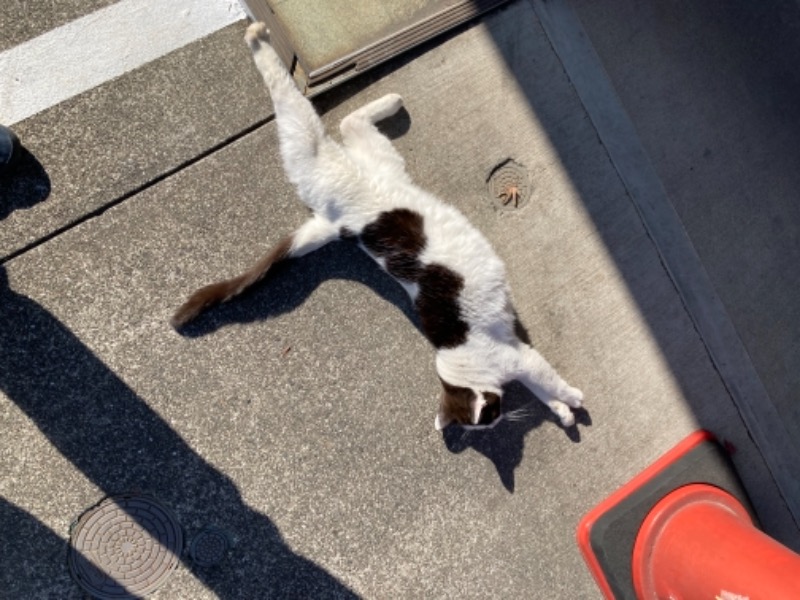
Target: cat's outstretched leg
[543,380]
[313,234]
[299,128]
[365,142]
[377,110]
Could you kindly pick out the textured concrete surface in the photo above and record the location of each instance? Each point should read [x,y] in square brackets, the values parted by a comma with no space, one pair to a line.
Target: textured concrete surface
[300,418]
[714,95]
[21,21]
[107,43]
[110,141]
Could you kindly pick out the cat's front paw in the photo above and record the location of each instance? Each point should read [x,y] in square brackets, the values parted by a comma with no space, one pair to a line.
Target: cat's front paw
[573,397]
[563,412]
[255,34]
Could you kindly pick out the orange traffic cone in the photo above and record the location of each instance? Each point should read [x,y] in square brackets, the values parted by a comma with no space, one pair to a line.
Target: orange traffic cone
[682,530]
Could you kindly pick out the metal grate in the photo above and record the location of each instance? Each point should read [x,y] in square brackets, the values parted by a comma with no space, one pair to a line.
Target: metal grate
[509,185]
[125,547]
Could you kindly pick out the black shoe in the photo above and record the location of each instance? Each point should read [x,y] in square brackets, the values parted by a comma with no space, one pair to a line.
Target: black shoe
[9,143]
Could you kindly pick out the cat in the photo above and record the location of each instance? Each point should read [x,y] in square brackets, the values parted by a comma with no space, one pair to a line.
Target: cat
[360,189]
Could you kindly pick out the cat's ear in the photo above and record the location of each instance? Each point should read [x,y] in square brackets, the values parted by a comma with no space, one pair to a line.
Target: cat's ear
[442,420]
[447,402]
[455,405]
[475,407]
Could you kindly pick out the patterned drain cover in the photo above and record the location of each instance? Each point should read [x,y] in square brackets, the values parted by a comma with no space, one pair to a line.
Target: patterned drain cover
[509,185]
[209,547]
[125,547]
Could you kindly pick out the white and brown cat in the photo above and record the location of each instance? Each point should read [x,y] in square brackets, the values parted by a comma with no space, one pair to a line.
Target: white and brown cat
[456,281]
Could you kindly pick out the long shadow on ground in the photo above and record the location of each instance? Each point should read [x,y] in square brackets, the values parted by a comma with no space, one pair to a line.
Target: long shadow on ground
[121,445]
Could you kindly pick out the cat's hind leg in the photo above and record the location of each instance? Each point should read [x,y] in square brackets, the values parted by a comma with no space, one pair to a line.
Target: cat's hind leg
[299,128]
[365,141]
[547,385]
[313,234]
[378,110]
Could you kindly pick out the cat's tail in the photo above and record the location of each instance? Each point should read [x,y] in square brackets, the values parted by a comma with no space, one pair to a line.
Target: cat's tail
[313,234]
[222,291]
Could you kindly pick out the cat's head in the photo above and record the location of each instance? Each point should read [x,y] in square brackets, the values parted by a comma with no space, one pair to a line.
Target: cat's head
[470,408]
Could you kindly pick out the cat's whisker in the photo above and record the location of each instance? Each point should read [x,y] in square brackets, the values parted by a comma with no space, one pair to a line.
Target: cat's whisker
[519,414]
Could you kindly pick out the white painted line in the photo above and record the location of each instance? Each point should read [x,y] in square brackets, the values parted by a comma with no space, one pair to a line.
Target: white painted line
[89,51]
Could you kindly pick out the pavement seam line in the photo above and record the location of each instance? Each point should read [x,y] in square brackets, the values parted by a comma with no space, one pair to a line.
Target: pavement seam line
[137,190]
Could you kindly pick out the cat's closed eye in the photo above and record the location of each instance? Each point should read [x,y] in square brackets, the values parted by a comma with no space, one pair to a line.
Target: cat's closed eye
[491,410]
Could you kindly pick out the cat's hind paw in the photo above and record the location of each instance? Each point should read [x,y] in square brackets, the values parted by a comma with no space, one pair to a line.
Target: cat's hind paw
[378,110]
[388,105]
[255,34]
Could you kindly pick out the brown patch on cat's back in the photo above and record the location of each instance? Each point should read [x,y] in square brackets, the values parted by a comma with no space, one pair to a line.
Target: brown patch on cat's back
[437,303]
[398,237]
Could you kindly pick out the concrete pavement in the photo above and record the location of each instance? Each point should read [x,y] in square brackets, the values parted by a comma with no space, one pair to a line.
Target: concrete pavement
[300,418]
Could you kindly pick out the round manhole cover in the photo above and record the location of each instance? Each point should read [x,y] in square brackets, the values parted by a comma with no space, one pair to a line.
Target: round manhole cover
[125,547]
[509,184]
[209,547]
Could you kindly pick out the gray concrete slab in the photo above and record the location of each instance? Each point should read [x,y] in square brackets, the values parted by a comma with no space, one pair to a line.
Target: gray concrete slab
[21,21]
[713,94]
[98,147]
[300,418]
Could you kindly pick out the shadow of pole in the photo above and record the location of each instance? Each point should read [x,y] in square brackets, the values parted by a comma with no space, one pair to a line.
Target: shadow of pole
[32,557]
[110,434]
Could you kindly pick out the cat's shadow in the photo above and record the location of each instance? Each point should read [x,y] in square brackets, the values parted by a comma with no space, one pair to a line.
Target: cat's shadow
[291,283]
[504,444]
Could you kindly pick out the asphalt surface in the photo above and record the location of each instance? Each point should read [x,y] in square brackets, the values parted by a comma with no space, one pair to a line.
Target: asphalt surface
[299,419]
